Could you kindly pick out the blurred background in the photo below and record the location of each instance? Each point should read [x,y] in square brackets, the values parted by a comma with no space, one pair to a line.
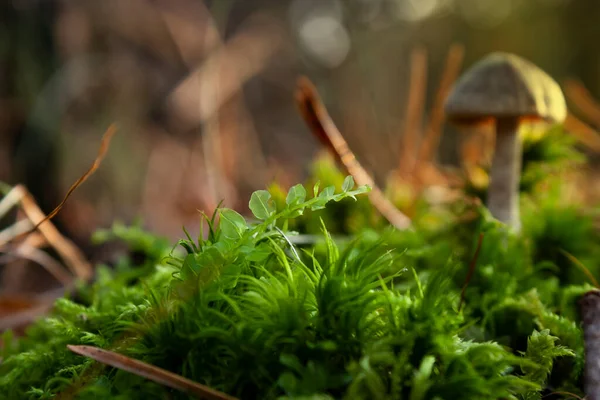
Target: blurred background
[203,92]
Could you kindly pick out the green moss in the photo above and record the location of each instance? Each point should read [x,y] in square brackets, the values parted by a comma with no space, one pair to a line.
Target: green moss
[374,316]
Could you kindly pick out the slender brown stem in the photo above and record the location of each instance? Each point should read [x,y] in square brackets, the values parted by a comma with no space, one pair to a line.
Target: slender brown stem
[71,254]
[581,266]
[472,266]
[104,145]
[433,128]
[583,132]
[583,100]
[322,126]
[414,111]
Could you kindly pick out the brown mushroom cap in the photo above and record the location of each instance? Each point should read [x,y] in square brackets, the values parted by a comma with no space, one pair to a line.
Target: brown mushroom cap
[505,85]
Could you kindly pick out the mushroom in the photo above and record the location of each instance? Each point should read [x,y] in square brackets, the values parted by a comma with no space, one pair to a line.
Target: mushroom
[507,89]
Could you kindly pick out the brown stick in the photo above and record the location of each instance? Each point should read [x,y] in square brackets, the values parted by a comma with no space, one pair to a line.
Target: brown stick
[433,128]
[212,95]
[590,313]
[322,126]
[583,100]
[414,111]
[583,132]
[72,256]
[241,58]
[150,372]
[36,255]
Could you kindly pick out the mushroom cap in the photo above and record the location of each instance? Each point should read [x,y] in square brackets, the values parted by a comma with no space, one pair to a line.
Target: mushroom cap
[505,85]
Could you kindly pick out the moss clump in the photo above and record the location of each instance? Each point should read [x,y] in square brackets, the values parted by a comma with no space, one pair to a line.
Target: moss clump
[243,310]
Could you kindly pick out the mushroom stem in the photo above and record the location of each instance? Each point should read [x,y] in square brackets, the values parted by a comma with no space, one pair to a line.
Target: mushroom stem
[503,192]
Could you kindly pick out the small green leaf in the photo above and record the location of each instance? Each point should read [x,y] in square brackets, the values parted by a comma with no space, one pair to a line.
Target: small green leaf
[229,276]
[288,382]
[422,378]
[190,267]
[261,205]
[316,188]
[259,253]
[362,189]
[319,204]
[327,193]
[232,224]
[348,183]
[296,195]
[186,245]
[295,213]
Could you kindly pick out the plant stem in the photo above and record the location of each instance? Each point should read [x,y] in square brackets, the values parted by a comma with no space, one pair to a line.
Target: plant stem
[503,193]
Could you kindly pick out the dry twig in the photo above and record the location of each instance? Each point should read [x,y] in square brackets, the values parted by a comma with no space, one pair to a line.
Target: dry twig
[211,94]
[71,255]
[322,126]
[583,132]
[414,112]
[434,125]
[104,145]
[583,100]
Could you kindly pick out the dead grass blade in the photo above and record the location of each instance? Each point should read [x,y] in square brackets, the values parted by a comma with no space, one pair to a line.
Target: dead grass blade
[71,255]
[11,199]
[568,394]
[414,111]
[150,372]
[322,126]
[241,58]
[583,132]
[36,255]
[472,266]
[581,267]
[433,129]
[230,144]
[16,319]
[583,100]
[104,145]
[48,233]
[17,229]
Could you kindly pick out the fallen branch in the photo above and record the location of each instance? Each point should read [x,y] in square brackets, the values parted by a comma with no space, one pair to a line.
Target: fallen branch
[322,126]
